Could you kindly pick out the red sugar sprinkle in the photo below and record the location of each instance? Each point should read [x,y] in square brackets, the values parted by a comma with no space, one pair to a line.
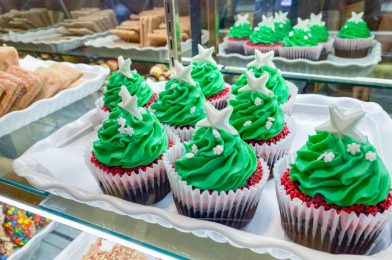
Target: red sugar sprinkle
[274,139]
[223,93]
[237,39]
[249,43]
[293,191]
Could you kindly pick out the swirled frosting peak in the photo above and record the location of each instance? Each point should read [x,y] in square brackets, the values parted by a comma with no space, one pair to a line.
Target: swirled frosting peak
[241,28]
[355,27]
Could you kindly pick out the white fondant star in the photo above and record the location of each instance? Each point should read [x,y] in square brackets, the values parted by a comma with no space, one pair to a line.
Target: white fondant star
[315,19]
[124,66]
[262,59]
[302,24]
[218,119]
[193,109]
[327,157]
[281,17]
[241,19]
[129,103]
[353,148]
[257,84]
[257,101]
[267,22]
[343,124]
[356,17]
[370,156]
[216,133]
[205,55]
[247,123]
[189,155]
[218,149]
[183,73]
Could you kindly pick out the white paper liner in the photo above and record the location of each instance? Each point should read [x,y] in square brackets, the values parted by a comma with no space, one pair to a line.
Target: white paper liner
[215,202]
[288,105]
[301,52]
[250,49]
[272,152]
[353,44]
[235,46]
[184,133]
[222,101]
[364,226]
[328,45]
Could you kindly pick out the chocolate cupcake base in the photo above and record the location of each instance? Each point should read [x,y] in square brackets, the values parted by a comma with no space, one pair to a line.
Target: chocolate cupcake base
[352,53]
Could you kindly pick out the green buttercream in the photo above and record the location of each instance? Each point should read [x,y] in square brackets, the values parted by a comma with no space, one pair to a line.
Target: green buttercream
[319,32]
[245,109]
[346,180]
[147,143]
[136,87]
[264,35]
[353,30]
[209,77]
[276,83]
[227,171]
[240,31]
[282,29]
[176,103]
[299,38]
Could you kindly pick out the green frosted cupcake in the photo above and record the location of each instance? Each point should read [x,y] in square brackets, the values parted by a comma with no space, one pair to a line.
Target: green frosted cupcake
[238,34]
[320,33]
[282,25]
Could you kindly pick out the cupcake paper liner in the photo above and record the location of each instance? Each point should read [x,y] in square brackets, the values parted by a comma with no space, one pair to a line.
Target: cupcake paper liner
[301,52]
[353,44]
[263,48]
[221,101]
[272,152]
[184,133]
[326,230]
[288,105]
[235,46]
[233,208]
[328,45]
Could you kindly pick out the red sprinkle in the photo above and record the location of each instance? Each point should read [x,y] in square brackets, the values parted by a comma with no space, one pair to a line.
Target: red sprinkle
[274,139]
[249,43]
[238,39]
[293,191]
[223,93]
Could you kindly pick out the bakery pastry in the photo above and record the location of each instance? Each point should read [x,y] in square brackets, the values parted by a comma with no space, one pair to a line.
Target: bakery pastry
[126,158]
[8,56]
[238,35]
[181,105]
[334,194]
[260,120]
[216,176]
[206,73]
[9,96]
[104,249]
[282,25]
[52,82]
[71,75]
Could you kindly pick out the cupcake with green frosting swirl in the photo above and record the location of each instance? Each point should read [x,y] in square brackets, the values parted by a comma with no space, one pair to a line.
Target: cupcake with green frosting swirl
[206,73]
[260,120]
[238,34]
[264,38]
[282,25]
[127,157]
[135,84]
[354,38]
[216,172]
[336,177]
[181,105]
[300,43]
[320,33]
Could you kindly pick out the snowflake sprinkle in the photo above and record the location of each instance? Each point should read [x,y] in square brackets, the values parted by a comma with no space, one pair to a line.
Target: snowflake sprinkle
[257,101]
[327,156]
[216,133]
[291,34]
[247,123]
[173,86]
[353,148]
[194,148]
[218,149]
[268,125]
[370,156]
[189,155]
[306,37]
[193,109]
[121,121]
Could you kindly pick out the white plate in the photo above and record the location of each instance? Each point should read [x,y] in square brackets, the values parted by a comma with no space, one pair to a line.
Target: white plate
[92,79]
[334,66]
[27,251]
[40,40]
[103,46]
[46,165]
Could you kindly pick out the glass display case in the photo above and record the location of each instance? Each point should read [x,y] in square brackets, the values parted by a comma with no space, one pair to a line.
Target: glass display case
[64,70]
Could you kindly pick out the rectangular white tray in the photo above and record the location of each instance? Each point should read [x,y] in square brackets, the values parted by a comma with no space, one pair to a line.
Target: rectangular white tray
[92,79]
[46,165]
[334,66]
[103,46]
[39,40]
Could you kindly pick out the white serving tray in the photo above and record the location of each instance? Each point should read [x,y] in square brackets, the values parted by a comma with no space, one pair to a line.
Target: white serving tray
[46,165]
[79,247]
[27,252]
[334,66]
[104,47]
[92,79]
[40,40]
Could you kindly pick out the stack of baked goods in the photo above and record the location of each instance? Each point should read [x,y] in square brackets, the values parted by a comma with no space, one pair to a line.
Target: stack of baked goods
[19,87]
[89,21]
[15,20]
[149,28]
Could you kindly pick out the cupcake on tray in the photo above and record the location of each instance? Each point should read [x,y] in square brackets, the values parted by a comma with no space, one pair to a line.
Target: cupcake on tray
[282,25]
[206,73]
[335,194]
[216,176]
[260,121]
[354,38]
[300,43]
[135,84]
[181,105]
[264,38]
[239,33]
[285,92]
[320,33]
[127,157]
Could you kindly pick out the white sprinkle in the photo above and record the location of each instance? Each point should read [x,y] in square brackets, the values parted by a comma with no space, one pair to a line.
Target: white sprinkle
[173,86]
[193,109]
[121,130]
[104,89]
[129,131]
[218,149]
[370,156]
[268,125]
[257,101]
[353,148]
[306,37]
[189,155]
[281,26]
[121,121]
[327,156]
[291,34]
[310,35]
[216,133]
[143,85]
[247,123]
[271,119]
[345,27]
[194,148]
